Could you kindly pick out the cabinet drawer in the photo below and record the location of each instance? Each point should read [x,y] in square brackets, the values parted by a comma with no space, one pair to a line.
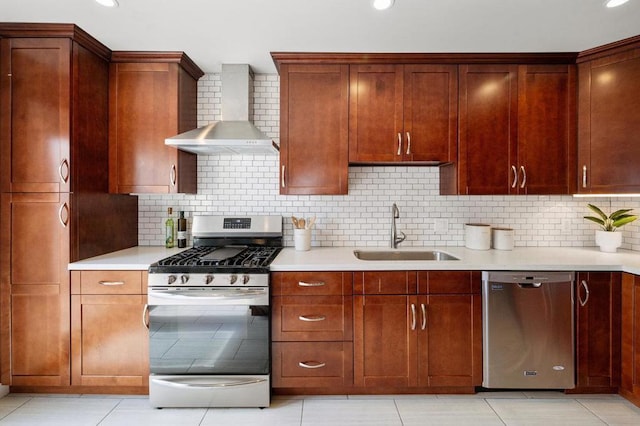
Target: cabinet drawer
[302,318]
[312,364]
[384,282]
[319,283]
[449,282]
[110,282]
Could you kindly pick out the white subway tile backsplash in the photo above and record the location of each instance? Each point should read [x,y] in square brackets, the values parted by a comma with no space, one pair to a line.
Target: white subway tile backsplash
[249,185]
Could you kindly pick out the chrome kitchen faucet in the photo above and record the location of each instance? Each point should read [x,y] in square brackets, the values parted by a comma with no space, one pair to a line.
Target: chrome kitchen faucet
[395,240]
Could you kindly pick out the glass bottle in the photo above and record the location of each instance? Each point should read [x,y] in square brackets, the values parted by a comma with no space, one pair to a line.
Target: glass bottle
[182,230]
[169,229]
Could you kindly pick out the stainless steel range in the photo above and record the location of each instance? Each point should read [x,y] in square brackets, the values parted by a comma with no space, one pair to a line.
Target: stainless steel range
[209,315]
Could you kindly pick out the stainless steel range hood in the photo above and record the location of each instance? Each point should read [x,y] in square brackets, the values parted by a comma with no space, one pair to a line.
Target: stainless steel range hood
[235,134]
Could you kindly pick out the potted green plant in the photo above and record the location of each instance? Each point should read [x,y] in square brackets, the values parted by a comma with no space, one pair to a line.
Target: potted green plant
[606,237]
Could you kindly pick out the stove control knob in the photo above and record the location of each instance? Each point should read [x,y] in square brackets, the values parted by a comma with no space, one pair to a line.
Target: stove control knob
[208,279]
[245,279]
[184,278]
[171,279]
[232,279]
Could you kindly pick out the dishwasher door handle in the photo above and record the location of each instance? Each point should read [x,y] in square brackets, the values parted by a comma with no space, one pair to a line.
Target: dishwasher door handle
[529,285]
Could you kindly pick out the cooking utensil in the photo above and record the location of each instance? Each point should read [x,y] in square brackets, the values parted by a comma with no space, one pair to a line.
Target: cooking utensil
[294,220]
[302,224]
[311,222]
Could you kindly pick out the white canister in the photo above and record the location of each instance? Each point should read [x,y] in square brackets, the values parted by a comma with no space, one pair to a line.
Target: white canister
[302,239]
[502,238]
[477,236]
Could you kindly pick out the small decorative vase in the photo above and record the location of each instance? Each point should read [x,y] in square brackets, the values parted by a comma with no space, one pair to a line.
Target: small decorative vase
[608,241]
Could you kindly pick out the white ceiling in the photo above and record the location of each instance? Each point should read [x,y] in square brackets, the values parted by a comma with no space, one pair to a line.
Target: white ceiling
[213,32]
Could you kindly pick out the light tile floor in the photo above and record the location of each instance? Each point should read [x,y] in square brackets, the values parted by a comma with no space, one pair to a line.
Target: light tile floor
[486,408]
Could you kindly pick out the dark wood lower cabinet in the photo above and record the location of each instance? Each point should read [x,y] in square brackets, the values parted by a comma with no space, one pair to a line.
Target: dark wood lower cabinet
[630,369]
[598,332]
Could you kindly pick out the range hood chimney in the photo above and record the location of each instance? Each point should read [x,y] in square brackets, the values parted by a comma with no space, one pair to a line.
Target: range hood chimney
[235,133]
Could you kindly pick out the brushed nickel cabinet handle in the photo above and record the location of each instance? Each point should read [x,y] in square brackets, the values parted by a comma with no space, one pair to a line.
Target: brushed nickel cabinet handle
[515,176]
[64,164]
[584,285]
[413,316]
[524,177]
[282,182]
[584,176]
[399,144]
[313,318]
[111,283]
[311,364]
[63,208]
[173,175]
[408,143]
[311,284]
[424,316]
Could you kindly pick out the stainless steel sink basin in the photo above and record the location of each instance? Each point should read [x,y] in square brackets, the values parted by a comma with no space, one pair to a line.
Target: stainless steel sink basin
[403,255]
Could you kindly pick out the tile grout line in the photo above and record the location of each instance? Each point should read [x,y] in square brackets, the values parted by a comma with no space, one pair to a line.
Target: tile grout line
[591,411]
[109,413]
[486,400]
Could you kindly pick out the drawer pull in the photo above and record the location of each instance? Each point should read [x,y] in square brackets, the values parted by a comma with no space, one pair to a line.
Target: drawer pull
[311,364]
[312,284]
[314,318]
[111,282]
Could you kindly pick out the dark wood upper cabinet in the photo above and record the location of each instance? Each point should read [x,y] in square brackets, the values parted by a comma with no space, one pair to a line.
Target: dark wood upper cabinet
[609,118]
[402,113]
[516,131]
[546,129]
[53,110]
[314,129]
[152,96]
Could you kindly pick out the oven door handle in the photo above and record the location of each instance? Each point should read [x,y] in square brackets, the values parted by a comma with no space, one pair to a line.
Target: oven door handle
[176,384]
[210,295]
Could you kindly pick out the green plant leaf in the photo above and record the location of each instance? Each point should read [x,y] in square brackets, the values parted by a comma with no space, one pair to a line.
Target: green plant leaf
[624,220]
[596,220]
[619,213]
[598,211]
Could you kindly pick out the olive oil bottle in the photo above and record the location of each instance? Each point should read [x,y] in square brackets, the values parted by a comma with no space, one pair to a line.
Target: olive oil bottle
[169,229]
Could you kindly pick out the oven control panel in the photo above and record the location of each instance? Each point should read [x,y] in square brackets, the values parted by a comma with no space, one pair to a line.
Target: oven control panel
[209,280]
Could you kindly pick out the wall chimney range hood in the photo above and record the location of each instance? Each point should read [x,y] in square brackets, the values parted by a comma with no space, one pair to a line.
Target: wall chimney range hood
[235,133]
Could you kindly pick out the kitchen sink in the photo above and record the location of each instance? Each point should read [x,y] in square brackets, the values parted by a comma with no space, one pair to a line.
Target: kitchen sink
[403,255]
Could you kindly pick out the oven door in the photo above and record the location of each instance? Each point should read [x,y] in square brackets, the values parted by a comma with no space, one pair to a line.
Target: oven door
[209,331]
[209,347]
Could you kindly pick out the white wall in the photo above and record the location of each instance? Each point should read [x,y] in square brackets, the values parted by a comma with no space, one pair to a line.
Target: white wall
[249,185]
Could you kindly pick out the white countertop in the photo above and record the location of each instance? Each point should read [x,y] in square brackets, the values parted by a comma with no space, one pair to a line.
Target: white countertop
[134,258]
[533,258]
[342,259]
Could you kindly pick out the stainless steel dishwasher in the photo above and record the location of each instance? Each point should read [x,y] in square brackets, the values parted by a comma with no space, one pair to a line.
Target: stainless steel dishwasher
[528,337]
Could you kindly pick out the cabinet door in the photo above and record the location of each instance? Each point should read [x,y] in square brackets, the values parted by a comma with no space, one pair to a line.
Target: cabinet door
[314,115]
[487,130]
[450,340]
[598,331]
[630,371]
[385,341]
[146,103]
[430,113]
[608,124]
[35,114]
[35,287]
[546,129]
[109,343]
[375,113]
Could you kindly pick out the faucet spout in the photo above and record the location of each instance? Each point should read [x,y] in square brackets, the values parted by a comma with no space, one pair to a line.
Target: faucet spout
[395,240]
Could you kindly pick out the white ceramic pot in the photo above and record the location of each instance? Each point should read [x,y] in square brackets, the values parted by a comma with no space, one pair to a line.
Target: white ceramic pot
[302,239]
[477,236]
[608,241]
[502,238]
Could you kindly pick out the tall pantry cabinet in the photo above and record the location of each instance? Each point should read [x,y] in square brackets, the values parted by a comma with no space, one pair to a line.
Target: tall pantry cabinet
[55,206]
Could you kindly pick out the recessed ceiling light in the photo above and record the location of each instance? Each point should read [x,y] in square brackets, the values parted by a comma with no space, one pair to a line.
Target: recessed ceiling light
[615,3]
[108,3]
[383,4]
